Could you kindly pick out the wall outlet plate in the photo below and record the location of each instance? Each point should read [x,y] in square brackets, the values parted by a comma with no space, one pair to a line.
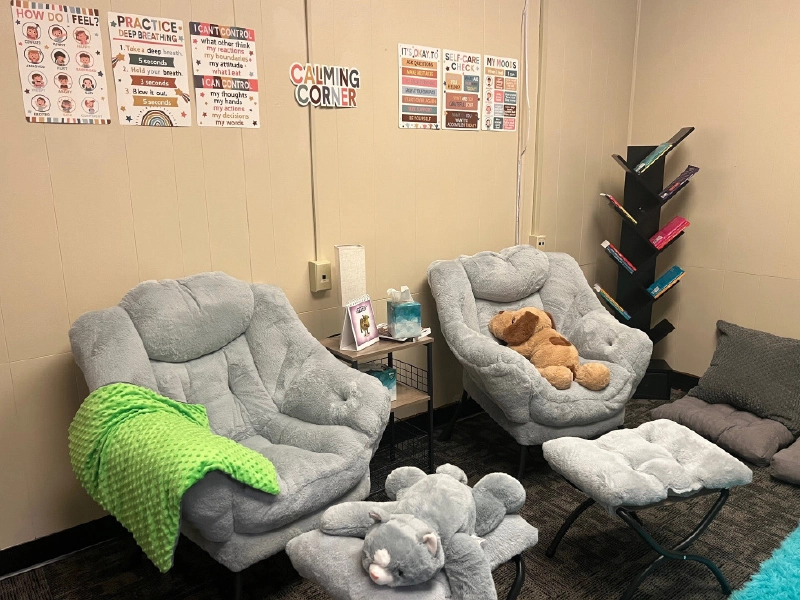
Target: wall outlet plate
[319,275]
[539,242]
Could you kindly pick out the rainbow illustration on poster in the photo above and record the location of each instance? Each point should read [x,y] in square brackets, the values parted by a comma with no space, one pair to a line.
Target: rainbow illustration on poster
[156,118]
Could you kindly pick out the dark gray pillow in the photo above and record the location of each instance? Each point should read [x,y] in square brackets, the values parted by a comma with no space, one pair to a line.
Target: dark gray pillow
[754,371]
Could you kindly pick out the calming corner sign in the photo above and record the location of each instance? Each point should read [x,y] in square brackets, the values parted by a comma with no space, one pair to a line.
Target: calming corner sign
[321,85]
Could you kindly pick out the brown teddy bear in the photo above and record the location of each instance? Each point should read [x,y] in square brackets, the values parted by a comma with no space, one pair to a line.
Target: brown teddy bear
[532,333]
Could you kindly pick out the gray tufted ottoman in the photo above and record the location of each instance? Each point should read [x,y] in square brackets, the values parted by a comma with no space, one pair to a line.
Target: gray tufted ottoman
[334,563]
[658,463]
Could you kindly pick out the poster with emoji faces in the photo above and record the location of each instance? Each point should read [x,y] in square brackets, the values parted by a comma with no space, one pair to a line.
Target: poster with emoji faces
[500,80]
[61,68]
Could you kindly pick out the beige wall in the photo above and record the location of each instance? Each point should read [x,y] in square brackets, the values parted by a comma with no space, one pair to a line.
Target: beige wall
[732,73]
[87,212]
[587,61]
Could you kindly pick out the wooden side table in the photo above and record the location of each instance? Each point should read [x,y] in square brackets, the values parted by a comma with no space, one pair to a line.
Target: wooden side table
[416,388]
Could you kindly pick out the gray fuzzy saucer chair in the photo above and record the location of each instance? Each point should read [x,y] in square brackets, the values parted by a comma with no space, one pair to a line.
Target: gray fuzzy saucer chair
[470,290]
[240,350]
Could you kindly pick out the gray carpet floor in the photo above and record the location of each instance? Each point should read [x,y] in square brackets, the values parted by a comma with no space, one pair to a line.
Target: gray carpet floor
[595,561]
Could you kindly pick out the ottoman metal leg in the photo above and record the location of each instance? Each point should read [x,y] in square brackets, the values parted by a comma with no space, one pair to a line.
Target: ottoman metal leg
[519,579]
[551,549]
[676,553]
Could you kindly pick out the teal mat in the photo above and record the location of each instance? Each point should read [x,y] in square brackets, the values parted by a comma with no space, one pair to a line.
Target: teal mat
[779,576]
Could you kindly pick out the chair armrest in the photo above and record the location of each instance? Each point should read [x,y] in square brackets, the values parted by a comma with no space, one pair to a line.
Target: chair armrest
[328,392]
[208,506]
[599,336]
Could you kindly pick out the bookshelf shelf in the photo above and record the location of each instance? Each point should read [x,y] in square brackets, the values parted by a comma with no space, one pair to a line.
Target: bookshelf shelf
[660,331]
[615,308]
[643,202]
[635,176]
[668,244]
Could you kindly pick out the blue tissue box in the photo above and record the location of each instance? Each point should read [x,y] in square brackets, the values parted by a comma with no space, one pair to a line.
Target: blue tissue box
[387,376]
[404,319]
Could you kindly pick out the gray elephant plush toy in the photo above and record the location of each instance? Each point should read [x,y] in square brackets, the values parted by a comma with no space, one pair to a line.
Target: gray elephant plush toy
[433,521]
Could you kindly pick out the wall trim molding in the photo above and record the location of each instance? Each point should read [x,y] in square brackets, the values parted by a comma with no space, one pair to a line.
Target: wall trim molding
[28,555]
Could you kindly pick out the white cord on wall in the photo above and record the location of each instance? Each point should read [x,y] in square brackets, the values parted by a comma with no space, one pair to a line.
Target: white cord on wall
[522,143]
[314,219]
[522,147]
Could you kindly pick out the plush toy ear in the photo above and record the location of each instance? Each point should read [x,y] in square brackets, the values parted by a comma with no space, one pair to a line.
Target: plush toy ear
[379,515]
[429,539]
[552,320]
[521,329]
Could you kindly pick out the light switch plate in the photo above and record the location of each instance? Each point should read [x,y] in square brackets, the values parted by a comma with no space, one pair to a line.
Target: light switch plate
[319,275]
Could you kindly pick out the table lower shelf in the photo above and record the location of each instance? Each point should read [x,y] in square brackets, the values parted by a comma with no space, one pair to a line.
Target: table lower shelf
[407,395]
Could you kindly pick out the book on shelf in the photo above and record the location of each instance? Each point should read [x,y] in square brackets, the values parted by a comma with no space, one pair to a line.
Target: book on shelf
[613,303]
[619,208]
[666,281]
[669,232]
[618,256]
[648,160]
[678,183]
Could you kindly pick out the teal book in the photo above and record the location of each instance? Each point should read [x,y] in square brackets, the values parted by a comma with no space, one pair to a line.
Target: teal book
[666,281]
[653,157]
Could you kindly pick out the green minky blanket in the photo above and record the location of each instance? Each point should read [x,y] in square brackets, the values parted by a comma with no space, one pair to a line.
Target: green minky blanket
[137,453]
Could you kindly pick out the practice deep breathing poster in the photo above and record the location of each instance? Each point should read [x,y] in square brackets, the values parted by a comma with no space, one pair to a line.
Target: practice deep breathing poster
[419,86]
[225,75]
[500,77]
[150,70]
[461,87]
[61,68]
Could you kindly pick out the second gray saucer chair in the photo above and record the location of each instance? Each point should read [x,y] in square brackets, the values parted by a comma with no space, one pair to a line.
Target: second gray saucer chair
[470,290]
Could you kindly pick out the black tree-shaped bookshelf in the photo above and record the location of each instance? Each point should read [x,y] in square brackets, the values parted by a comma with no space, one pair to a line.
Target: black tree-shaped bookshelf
[644,197]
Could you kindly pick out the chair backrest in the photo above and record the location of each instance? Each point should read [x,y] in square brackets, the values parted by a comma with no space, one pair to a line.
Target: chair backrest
[207,339]
[481,285]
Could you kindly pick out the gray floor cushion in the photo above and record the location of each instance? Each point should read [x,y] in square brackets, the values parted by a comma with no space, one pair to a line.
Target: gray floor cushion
[742,433]
[637,467]
[754,371]
[334,563]
[786,464]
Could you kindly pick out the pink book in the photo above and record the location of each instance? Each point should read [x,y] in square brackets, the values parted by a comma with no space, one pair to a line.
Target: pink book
[669,232]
